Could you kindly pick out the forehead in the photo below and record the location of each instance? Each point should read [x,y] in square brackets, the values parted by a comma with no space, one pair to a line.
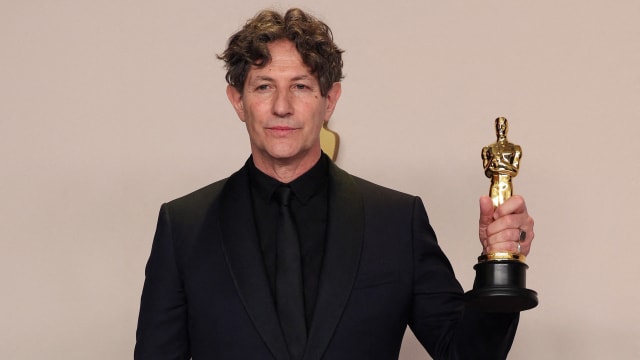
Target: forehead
[285,62]
[285,49]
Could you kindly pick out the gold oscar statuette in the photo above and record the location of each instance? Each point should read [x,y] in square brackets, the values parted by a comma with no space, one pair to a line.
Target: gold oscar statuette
[329,142]
[500,283]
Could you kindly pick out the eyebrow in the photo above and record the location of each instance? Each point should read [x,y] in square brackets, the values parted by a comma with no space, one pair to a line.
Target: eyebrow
[269,78]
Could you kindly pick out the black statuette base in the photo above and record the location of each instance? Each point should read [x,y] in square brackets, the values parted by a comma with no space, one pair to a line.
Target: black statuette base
[500,286]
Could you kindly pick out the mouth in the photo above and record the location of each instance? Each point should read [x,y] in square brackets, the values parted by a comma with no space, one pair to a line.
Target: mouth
[281,130]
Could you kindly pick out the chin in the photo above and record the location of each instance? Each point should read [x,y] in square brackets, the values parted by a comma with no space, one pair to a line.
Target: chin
[285,155]
[288,153]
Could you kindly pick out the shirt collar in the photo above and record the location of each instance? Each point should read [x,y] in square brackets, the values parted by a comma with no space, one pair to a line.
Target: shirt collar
[304,187]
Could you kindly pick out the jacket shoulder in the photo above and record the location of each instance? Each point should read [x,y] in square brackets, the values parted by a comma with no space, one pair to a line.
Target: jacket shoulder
[374,191]
[366,187]
[199,198]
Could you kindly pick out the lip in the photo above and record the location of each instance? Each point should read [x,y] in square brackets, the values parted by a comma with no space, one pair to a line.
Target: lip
[281,130]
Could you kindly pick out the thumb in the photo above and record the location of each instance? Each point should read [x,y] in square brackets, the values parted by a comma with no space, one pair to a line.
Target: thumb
[486,211]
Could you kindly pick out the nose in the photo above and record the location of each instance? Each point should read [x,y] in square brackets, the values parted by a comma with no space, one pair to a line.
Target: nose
[282,106]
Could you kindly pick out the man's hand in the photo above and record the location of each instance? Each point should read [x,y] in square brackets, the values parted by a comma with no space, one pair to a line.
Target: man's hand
[500,228]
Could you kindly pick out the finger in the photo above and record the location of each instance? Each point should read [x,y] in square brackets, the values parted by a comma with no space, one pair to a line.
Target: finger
[511,221]
[514,205]
[504,236]
[510,247]
[528,240]
[507,241]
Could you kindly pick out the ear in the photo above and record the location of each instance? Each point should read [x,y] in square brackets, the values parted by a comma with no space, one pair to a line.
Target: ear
[235,98]
[332,99]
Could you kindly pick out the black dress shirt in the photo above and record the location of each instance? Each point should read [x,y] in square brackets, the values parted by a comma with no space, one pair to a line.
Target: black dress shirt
[309,207]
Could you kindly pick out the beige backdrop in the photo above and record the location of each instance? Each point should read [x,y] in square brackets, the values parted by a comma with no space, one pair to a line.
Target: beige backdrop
[110,107]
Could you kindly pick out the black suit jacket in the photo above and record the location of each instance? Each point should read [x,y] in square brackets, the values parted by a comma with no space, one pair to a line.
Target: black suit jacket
[207,296]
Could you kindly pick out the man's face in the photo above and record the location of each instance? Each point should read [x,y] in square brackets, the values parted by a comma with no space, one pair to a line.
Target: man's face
[283,109]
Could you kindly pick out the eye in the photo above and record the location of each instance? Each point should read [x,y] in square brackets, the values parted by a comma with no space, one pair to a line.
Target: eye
[300,87]
[262,87]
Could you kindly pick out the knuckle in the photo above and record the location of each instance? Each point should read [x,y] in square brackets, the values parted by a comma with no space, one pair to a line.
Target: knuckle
[502,237]
[511,221]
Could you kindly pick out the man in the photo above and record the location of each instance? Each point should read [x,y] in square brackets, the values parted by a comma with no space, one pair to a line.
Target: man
[368,263]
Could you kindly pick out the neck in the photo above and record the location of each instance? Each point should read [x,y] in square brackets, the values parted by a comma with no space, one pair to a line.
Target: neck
[285,170]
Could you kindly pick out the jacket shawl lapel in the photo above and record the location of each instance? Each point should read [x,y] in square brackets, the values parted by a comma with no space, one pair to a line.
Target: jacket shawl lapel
[345,236]
[239,239]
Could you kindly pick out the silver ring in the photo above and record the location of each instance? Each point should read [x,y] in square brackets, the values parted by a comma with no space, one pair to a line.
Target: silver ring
[523,235]
[518,251]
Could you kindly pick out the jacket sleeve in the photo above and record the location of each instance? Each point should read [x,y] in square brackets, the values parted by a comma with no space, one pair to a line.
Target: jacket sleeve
[162,324]
[439,319]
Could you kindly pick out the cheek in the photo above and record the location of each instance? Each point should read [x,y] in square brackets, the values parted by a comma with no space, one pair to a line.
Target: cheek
[252,115]
[250,123]
[324,115]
